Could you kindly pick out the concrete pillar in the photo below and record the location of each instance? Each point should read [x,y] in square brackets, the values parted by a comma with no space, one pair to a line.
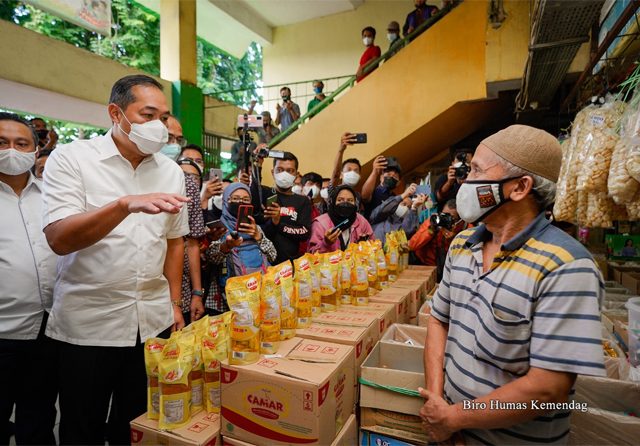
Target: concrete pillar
[178,40]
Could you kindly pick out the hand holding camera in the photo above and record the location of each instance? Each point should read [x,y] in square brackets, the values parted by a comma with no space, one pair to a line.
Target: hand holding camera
[442,220]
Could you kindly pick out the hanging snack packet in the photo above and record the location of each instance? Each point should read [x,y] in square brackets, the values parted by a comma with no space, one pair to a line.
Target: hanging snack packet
[302,282]
[152,356]
[288,305]
[243,297]
[359,279]
[345,277]
[316,295]
[214,351]
[329,283]
[173,374]
[270,301]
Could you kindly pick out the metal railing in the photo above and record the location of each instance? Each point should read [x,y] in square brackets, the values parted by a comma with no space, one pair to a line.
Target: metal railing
[371,66]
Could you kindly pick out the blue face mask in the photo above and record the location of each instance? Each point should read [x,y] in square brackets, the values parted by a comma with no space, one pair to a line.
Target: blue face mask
[317,90]
[171,150]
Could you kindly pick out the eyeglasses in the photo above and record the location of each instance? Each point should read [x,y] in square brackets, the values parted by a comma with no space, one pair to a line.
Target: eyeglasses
[181,141]
[239,200]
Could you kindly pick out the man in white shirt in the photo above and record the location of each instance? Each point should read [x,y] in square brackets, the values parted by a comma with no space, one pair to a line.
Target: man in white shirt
[27,271]
[113,209]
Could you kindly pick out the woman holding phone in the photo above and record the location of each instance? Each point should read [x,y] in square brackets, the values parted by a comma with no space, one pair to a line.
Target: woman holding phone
[243,249]
[341,225]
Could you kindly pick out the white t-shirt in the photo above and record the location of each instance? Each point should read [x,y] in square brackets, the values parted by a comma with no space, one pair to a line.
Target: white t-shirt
[106,293]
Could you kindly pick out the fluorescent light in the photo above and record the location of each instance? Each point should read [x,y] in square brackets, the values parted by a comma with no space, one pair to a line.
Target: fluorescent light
[225,155]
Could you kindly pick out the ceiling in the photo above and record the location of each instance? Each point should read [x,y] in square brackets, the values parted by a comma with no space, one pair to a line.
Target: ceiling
[232,25]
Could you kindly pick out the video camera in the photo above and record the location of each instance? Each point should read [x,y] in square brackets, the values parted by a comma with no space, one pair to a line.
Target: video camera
[462,171]
[442,220]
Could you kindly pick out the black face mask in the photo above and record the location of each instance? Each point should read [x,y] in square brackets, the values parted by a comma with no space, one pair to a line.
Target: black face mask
[390,183]
[233,208]
[343,211]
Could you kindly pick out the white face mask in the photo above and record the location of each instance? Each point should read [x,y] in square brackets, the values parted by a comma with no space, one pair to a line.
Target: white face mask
[402,210]
[284,180]
[324,193]
[311,192]
[150,137]
[477,199]
[14,162]
[217,201]
[297,189]
[351,178]
[392,36]
[367,41]
[171,150]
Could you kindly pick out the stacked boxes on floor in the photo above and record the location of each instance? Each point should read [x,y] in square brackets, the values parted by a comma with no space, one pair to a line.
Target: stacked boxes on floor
[307,392]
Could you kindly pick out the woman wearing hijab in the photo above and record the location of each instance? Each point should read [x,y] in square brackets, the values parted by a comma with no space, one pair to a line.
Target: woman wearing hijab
[243,252]
[343,207]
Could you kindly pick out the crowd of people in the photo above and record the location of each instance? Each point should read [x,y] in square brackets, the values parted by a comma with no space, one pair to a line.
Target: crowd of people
[123,237]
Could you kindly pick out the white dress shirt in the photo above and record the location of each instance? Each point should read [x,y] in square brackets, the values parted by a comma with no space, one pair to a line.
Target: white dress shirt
[106,293]
[27,264]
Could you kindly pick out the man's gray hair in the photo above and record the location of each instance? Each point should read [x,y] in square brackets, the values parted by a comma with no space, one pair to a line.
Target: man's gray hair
[544,190]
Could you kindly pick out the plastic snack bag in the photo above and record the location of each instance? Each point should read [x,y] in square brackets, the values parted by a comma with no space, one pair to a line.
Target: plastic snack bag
[329,280]
[270,302]
[243,297]
[288,306]
[173,374]
[302,283]
[152,356]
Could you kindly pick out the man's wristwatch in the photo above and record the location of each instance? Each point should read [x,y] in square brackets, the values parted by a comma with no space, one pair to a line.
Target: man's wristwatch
[199,293]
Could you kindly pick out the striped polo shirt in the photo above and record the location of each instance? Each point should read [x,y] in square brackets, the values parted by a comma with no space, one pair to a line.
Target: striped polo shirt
[537,306]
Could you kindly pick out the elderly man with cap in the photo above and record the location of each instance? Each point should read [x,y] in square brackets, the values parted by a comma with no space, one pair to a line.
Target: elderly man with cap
[515,318]
[268,131]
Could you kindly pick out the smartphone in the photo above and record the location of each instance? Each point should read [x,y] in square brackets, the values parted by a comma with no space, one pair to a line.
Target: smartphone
[252,121]
[361,138]
[343,224]
[215,224]
[423,189]
[272,199]
[244,212]
[213,173]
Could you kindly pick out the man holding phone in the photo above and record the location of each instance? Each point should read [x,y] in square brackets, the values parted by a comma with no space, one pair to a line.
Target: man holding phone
[288,218]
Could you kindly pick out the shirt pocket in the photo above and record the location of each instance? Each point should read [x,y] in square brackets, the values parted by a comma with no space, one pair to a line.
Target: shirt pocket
[503,340]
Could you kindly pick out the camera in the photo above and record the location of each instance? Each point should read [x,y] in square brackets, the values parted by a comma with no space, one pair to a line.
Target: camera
[442,220]
[264,152]
[462,171]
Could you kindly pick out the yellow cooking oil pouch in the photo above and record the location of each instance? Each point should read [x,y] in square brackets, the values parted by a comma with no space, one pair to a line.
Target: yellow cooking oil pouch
[303,285]
[214,351]
[270,301]
[288,304]
[360,279]
[175,389]
[329,280]
[243,298]
[345,277]
[316,295]
[152,356]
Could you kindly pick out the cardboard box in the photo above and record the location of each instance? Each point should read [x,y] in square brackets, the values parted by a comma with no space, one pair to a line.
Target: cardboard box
[350,318]
[399,298]
[385,411]
[202,430]
[418,295]
[348,436]
[429,273]
[303,394]
[385,315]
[230,441]
[362,339]
[631,281]
[424,313]
[411,335]
[616,270]
[389,309]
[375,439]
[610,317]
